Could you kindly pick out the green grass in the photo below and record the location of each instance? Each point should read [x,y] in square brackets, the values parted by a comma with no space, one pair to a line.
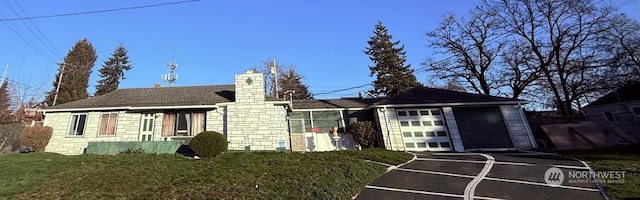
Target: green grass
[277,175]
[626,158]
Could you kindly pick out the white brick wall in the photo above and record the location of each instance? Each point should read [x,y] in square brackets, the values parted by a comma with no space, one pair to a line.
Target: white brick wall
[390,129]
[517,126]
[127,129]
[452,125]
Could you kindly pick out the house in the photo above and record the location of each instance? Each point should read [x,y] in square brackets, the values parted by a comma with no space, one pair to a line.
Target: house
[241,112]
[420,119]
[621,107]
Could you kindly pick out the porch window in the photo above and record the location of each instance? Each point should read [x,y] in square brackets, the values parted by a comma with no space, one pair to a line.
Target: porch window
[108,124]
[183,123]
[77,124]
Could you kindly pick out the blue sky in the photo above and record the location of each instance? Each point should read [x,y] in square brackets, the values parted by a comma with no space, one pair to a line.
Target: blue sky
[214,40]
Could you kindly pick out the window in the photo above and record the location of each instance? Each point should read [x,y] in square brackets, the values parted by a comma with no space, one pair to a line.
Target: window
[108,124]
[435,112]
[609,116]
[183,123]
[445,144]
[404,123]
[433,144]
[402,113]
[636,110]
[413,113]
[409,145]
[406,134]
[422,145]
[426,123]
[430,133]
[418,134]
[442,133]
[438,123]
[78,122]
[415,123]
[424,112]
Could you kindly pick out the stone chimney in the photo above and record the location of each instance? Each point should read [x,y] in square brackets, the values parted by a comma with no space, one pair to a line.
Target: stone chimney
[250,87]
[157,85]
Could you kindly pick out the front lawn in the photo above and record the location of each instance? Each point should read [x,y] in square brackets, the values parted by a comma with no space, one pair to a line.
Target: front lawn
[239,175]
[624,158]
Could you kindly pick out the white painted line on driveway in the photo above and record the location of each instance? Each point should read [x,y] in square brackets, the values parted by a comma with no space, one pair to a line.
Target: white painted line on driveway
[496,179]
[504,163]
[423,192]
[541,184]
[469,191]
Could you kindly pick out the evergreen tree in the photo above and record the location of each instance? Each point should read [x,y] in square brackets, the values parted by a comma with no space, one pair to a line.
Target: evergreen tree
[112,71]
[77,67]
[6,115]
[290,80]
[392,75]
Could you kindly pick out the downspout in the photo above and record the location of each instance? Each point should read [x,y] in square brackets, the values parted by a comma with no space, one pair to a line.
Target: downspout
[526,125]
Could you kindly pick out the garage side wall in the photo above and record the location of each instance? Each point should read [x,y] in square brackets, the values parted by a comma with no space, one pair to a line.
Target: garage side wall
[390,129]
[518,127]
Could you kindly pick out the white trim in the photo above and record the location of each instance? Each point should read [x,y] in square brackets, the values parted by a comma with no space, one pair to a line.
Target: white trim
[130,108]
[450,104]
[83,109]
[115,126]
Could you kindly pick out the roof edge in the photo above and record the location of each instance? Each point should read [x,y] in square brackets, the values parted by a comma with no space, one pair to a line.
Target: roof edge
[451,104]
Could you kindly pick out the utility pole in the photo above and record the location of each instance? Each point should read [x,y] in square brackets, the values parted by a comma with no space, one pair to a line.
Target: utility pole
[55,97]
[274,71]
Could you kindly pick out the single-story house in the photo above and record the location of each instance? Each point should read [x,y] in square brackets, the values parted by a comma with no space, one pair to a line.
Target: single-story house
[621,106]
[420,119]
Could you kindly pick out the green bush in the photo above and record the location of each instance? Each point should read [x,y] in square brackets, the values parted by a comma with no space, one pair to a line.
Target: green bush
[132,151]
[209,144]
[363,133]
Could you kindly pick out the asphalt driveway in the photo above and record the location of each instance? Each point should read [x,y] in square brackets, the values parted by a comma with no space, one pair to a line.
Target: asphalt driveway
[504,175]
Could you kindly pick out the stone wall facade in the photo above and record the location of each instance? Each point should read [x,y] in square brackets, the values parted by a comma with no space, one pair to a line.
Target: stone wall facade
[127,129]
[252,122]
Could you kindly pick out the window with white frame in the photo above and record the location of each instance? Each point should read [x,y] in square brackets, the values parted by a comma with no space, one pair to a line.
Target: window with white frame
[108,124]
[77,124]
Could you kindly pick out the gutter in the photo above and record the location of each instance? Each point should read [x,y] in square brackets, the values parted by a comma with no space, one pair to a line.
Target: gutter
[449,104]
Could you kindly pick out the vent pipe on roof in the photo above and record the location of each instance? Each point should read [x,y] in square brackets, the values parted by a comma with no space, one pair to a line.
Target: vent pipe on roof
[157,85]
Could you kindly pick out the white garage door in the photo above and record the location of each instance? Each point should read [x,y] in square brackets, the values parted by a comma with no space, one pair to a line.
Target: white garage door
[424,130]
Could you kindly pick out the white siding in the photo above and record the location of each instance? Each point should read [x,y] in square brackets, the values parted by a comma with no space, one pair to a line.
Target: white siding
[453,129]
[390,129]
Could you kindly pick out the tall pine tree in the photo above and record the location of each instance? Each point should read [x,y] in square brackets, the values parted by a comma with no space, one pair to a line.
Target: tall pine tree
[75,76]
[112,71]
[290,80]
[6,114]
[392,75]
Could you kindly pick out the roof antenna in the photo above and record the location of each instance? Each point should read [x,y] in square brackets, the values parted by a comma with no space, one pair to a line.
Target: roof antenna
[171,77]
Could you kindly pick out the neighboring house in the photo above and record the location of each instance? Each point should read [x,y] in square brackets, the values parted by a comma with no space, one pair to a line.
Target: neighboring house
[420,119]
[241,112]
[621,106]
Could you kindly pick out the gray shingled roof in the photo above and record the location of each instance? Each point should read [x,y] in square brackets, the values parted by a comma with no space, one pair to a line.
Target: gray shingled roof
[333,103]
[166,96]
[425,95]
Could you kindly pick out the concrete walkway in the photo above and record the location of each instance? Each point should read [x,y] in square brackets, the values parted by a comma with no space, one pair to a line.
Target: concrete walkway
[519,175]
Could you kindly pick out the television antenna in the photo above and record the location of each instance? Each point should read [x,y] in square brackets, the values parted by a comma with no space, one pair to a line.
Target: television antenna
[171,77]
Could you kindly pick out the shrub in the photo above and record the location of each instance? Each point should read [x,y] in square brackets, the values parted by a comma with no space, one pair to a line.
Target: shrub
[363,133]
[36,137]
[132,151]
[209,144]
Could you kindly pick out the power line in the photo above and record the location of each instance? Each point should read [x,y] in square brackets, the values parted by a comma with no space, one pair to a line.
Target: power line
[345,89]
[49,45]
[22,36]
[100,11]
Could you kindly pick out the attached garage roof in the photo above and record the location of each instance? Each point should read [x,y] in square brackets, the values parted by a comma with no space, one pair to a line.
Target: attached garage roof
[333,103]
[424,95]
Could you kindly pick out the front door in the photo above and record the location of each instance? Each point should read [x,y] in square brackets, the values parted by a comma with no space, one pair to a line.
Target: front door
[424,129]
[146,127]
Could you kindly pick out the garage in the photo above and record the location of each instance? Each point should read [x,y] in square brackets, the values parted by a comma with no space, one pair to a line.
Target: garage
[424,129]
[482,128]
